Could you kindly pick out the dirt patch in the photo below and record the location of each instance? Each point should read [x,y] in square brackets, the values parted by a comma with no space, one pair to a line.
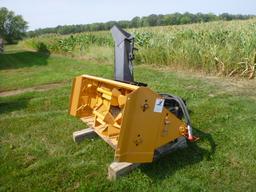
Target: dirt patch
[38,88]
[234,85]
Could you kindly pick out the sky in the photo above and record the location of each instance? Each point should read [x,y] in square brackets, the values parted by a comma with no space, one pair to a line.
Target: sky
[50,13]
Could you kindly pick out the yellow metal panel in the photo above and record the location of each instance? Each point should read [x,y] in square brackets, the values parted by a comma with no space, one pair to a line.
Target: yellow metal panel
[75,96]
[111,82]
[170,128]
[140,127]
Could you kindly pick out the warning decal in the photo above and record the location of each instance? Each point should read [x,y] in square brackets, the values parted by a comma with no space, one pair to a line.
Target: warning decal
[159,105]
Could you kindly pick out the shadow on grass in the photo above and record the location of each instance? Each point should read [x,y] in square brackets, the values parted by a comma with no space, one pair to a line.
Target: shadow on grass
[15,60]
[13,104]
[169,164]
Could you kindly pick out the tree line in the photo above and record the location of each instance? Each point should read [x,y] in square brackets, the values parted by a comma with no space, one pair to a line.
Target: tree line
[13,27]
[151,20]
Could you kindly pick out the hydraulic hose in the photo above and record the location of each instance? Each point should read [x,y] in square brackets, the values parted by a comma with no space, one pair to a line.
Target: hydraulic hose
[184,111]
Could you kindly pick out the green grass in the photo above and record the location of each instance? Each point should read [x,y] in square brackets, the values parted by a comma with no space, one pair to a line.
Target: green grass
[22,68]
[37,152]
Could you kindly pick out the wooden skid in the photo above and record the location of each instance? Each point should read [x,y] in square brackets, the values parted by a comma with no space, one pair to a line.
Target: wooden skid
[78,136]
[118,169]
[107,140]
[90,121]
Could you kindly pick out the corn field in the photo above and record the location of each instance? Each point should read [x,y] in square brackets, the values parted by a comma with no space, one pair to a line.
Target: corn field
[223,48]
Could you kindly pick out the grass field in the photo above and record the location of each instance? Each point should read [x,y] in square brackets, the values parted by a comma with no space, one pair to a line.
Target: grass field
[37,152]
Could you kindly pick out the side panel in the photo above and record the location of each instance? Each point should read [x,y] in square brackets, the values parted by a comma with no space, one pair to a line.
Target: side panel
[75,96]
[140,126]
[145,127]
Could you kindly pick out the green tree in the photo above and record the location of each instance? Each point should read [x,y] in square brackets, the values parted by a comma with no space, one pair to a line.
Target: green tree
[12,27]
[152,19]
[135,22]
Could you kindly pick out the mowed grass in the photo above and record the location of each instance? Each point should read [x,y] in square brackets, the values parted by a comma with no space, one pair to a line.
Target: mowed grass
[37,152]
[21,68]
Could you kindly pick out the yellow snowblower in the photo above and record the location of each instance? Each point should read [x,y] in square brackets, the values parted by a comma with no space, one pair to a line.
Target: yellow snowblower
[128,115]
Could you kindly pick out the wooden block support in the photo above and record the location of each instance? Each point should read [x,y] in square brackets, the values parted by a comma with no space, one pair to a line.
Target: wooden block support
[118,169]
[78,136]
